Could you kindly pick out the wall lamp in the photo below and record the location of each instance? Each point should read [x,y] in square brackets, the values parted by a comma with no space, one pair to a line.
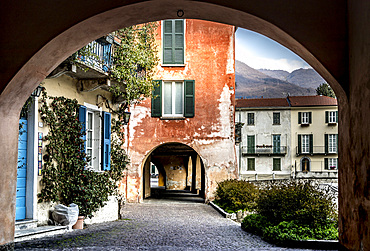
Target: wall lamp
[37,91]
[126,117]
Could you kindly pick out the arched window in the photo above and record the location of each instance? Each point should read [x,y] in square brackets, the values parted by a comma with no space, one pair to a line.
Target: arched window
[305,164]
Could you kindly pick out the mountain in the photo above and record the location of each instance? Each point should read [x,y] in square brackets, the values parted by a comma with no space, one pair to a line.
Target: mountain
[306,78]
[253,83]
[279,74]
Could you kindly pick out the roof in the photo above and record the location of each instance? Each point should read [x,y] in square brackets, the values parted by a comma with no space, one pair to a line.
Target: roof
[294,101]
[262,102]
[298,101]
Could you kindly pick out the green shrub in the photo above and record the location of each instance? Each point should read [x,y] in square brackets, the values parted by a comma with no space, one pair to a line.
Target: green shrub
[234,195]
[301,201]
[255,224]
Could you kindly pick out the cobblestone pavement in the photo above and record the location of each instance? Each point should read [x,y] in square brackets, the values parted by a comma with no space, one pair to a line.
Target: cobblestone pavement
[157,226]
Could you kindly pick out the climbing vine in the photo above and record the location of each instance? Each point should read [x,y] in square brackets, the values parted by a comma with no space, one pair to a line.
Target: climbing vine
[65,178]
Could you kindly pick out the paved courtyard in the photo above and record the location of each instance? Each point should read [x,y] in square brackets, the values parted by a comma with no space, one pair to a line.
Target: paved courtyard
[157,226]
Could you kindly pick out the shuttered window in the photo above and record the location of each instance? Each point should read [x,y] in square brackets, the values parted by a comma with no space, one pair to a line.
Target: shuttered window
[96,128]
[304,118]
[331,117]
[173,99]
[251,164]
[276,164]
[173,41]
[250,118]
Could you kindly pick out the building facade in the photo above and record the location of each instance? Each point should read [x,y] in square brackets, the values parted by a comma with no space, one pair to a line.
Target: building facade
[187,129]
[293,137]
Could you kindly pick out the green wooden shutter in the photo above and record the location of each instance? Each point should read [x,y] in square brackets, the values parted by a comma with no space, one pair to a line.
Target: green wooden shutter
[173,41]
[276,166]
[250,144]
[310,117]
[157,99]
[326,117]
[326,143]
[299,144]
[336,116]
[299,118]
[337,142]
[106,148]
[189,98]
[326,163]
[311,144]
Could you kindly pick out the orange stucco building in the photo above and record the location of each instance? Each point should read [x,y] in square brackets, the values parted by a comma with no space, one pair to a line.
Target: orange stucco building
[187,129]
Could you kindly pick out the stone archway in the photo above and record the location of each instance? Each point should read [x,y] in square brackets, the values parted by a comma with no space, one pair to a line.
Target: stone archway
[331,37]
[179,165]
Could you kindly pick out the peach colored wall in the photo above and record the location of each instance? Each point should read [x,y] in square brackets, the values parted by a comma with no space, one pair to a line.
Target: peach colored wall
[209,60]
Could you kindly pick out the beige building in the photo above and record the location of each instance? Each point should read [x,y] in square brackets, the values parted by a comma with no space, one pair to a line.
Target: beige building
[314,125]
[288,137]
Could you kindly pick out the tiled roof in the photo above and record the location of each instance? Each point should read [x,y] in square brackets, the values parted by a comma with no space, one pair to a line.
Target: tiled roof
[262,102]
[297,101]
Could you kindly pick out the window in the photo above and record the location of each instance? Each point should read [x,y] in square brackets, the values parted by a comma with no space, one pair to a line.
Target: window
[173,99]
[331,163]
[305,144]
[276,164]
[276,118]
[173,41]
[276,143]
[331,117]
[251,164]
[305,164]
[304,118]
[250,144]
[331,143]
[97,127]
[250,118]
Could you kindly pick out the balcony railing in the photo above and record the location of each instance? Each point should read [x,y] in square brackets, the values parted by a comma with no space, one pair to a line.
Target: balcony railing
[264,150]
[316,150]
[100,55]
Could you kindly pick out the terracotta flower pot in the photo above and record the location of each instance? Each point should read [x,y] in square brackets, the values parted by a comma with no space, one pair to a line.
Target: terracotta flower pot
[79,224]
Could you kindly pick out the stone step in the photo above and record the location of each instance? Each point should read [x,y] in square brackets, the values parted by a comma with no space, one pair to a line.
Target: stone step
[25,224]
[38,232]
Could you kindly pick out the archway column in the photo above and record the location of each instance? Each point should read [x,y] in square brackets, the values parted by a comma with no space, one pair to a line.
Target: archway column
[9,125]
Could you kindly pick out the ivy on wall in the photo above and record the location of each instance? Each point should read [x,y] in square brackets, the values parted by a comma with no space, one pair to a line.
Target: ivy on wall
[65,178]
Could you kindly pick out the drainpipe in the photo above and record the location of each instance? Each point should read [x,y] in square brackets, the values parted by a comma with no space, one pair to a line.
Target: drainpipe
[240,146]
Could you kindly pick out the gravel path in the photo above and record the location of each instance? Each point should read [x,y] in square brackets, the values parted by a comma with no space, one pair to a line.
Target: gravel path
[157,226]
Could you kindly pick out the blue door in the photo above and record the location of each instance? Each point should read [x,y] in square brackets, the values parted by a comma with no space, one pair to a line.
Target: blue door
[20,212]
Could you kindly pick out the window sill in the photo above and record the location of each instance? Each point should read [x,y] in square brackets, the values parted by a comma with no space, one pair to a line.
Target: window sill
[332,124]
[305,124]
[173,65]
[276,124]
[172,118]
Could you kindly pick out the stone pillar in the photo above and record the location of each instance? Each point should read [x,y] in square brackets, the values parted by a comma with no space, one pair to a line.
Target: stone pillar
[354,159]
[9,124]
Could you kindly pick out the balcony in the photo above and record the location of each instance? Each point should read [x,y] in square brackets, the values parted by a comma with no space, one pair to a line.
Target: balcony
[264,150]
[316,150]
[93,62]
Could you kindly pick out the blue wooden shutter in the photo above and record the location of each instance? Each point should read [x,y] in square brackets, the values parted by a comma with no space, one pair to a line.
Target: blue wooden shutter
[106,141]
[82,119]
[157,99]
[189,98]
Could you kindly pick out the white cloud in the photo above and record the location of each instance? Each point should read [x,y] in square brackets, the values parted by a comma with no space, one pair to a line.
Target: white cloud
[251,59]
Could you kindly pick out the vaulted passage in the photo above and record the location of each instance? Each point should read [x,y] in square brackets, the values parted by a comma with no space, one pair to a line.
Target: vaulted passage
[180,174]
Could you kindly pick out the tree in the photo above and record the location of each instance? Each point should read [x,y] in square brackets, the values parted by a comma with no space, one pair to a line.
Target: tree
[325,90]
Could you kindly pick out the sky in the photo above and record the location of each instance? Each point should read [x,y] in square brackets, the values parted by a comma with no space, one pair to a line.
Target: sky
[260,52]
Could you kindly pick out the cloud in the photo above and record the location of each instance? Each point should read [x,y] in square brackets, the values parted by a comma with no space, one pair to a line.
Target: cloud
[255,61]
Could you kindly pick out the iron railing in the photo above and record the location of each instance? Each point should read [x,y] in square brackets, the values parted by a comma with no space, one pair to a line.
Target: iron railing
[264,150]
